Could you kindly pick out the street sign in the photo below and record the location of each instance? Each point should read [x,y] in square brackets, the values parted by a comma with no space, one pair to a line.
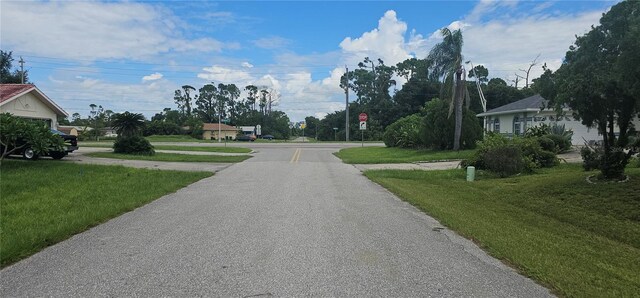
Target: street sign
[303,125]
[258,130]
[363,125]
[362,117]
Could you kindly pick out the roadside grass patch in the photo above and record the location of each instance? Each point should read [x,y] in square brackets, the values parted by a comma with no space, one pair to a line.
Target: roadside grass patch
[45,202]
[377,155]
[579,239]
[172,157]
[203,148]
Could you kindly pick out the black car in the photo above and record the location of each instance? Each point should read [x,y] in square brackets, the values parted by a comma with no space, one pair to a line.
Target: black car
[70,143]
[244,138]
[268,137]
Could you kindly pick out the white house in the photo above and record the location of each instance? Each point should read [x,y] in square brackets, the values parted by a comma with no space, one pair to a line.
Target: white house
[516,117]
[27,101]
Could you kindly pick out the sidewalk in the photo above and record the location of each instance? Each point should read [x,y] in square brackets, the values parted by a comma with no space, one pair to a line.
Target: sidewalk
[569,157]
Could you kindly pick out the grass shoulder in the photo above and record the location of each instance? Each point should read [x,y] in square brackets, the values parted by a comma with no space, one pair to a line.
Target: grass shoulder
[378,155]
[579,239]
[38,210]
[172,157]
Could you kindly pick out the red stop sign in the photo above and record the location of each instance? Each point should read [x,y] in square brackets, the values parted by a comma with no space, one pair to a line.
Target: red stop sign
[362,117]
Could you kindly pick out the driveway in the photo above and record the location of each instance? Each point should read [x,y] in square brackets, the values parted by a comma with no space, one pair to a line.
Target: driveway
[292,221]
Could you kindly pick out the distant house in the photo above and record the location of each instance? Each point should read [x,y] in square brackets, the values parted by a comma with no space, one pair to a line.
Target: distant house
[248,130]
[109,132]
[70,130]
[514,119]
[27,101]
[210,131]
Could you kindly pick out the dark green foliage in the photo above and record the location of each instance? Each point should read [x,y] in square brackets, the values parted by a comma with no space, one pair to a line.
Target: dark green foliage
[17,133]
[538,131]
[161,128]
[532,155]
[610,165]
[562,142]
[547,143]
[598,80]
[404,133]
[505,161]
[437,128]
[128,124]
[6,75]
[133,145]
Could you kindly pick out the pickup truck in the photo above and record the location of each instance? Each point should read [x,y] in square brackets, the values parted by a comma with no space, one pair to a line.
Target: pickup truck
[70,142]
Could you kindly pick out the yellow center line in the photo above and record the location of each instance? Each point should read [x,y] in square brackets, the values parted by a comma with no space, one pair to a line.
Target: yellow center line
[296,156]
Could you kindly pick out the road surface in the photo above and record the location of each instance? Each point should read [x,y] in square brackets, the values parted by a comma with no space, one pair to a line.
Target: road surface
[292,221]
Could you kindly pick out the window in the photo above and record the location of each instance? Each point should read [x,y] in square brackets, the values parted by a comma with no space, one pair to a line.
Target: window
[516,128]
[496,125]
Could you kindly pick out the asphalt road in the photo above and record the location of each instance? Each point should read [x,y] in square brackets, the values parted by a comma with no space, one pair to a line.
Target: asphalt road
[292,221]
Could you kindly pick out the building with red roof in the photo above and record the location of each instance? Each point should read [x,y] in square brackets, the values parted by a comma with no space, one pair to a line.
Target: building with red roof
[27,101]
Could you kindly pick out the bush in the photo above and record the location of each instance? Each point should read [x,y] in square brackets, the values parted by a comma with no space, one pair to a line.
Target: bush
[505,161]
[133,145]
[562,142]
[437,129]
[531,155]
[547,143]
[404,133]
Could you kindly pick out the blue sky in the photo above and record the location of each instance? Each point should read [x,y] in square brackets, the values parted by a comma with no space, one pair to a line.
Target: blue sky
[133,55]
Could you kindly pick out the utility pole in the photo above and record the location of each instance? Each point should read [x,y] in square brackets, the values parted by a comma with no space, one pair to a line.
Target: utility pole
[219,121]
[21,69]
[346,91]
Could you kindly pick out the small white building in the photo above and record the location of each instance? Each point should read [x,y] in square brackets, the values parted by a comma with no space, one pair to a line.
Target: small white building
[27,101]
[248,130]
[514,119]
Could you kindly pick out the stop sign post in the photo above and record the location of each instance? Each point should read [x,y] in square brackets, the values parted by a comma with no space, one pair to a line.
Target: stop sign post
[363,125]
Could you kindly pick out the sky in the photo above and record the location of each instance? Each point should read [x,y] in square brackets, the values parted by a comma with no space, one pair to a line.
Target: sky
[133,55]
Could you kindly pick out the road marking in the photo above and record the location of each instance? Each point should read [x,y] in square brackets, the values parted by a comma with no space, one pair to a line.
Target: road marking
[296,156]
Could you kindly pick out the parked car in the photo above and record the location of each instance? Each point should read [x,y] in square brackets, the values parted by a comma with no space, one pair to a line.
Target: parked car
[268,137]
[245,138]
[70,143]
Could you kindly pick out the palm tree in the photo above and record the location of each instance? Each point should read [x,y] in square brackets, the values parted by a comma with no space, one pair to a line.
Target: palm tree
[446,63]
[128,124]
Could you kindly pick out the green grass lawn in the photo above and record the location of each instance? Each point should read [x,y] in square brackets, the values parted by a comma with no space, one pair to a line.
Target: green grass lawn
[203,149]
[373,155]
[579,239]
[172,157]
[45,202]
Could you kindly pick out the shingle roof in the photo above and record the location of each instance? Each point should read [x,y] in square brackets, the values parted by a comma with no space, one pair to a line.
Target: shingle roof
[531,103]
[214,127]
[8,91]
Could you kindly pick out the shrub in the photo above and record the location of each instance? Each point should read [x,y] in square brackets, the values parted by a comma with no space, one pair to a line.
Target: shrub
[562,142]
[133,145]
[547,143]
[404,133]
[531,155]
[437,129]
[504,161]
[538,131]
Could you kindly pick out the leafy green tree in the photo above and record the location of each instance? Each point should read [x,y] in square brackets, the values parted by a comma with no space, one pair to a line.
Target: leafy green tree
[446,63]
[17,134]
[6,75]
[598,80]
[207,103]
[128,124]
[404,133]
[313,124]
[184,99]
[252,95]
[481,72]
[437,128]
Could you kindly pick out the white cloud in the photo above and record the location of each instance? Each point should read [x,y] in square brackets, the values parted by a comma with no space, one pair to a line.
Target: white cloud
[247,65]
[96,30]
[506,45]
[225,75]
[152,77]
[386,41]
[271,43]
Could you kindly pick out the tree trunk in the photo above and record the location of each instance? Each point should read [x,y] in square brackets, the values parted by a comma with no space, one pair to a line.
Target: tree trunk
[458,110]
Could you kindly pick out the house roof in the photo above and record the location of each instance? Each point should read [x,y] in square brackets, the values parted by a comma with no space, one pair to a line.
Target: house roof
[9,92]
[531,103]
[214,127]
